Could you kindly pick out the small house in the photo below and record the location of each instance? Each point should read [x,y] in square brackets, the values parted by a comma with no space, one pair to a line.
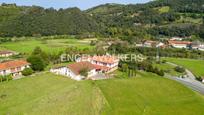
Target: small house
[13,67]
[6,53]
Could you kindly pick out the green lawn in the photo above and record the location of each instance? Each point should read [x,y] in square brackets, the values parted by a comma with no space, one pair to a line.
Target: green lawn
[164,9]
[169,69]
[196,66]
[55,45]
[144,95]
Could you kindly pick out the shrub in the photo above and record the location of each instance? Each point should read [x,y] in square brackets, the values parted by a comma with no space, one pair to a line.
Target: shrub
[199,78]
[5,78]
[179,69]
[84,72]
[160,73]
[37,64]
[27,72]
[164,61]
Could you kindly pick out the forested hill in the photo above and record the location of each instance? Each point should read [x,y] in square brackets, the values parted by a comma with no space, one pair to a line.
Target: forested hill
[159,18]
[35,21]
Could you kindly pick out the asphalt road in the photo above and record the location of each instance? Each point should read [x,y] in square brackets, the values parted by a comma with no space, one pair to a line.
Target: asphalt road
[189,81]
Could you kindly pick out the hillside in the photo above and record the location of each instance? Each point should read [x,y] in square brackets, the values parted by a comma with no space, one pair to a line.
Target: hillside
[37,21]
[146,94]
[163,18]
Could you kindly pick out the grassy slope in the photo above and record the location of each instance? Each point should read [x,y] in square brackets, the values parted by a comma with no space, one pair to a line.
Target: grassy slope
[47,93]
[48,45]
[196,66]
[167,68]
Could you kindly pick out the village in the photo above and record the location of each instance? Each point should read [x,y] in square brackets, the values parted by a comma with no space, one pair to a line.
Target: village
[174,42]
[95,67]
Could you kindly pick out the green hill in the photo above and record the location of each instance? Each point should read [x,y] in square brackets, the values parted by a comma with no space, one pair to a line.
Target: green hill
[146,94]
[152,19]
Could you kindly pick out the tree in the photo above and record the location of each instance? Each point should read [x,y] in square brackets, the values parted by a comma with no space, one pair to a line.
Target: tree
[124,67]
[27,72]
[84,72]
[37,51]
[37,63]
[179,69]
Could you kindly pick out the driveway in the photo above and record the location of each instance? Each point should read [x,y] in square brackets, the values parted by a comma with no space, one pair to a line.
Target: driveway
[189,81]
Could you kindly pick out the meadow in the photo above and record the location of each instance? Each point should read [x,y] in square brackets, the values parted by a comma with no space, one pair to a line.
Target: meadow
[167,68]
[53,45]
[195,66]
[145,94]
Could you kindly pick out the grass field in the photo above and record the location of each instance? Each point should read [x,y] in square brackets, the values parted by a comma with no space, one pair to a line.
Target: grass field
[144,95]
[54,45]
[168,69]
[164,9]
[196,66]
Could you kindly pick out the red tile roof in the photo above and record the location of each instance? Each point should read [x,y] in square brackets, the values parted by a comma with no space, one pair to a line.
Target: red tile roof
[13,64]
[77,67]
[179,42]
[103,68]
[105,59]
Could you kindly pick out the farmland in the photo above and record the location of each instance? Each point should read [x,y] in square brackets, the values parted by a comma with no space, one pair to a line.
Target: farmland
[196,66]
[47,93]
[54,45]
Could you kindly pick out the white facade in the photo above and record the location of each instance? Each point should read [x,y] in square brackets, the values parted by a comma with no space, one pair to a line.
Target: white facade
[65,71]
[179,45]
[6,55]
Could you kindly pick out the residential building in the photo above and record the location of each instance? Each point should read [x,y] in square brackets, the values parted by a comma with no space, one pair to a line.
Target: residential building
[197,45]
[150,43]
[179,44]
[94,65]
[6,53]
[73,70]
[13,67]
[107,61]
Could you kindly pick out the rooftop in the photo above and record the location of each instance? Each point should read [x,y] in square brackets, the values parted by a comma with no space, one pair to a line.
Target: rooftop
[13,64]
[78,66]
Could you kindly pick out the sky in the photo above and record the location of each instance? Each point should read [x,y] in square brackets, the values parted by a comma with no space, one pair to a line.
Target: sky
[82,4]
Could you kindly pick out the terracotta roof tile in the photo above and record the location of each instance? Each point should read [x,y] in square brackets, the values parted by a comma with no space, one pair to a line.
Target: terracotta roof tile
[13,64]
[77,67]
[179,42]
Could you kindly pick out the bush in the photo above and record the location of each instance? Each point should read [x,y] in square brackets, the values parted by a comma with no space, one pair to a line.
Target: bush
[5,78]
[27,72]
[160,73]
[164,61]
[179,69]
[199,78]
[37,64]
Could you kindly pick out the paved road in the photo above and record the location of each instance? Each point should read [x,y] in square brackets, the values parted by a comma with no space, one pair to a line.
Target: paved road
[189,81]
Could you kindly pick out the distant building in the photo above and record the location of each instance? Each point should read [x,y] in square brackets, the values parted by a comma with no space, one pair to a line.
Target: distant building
[150,43]
[13,67]
[197,45]
[95,65]
[179,38]
[6,53]
[179,44]
[107,61]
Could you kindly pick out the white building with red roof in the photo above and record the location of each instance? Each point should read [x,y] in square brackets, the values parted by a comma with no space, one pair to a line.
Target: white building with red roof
[94,65]
[7,53]
[13,67]
[179,44]
[111,62]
